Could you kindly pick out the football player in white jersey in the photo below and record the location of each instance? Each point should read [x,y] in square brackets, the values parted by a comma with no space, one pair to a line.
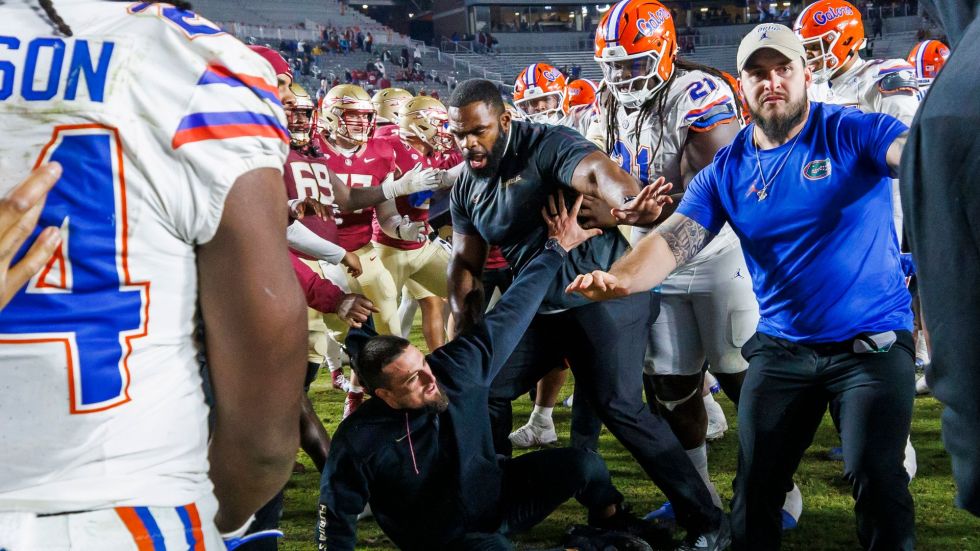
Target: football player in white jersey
[172,141]
[832,34]
[928,58]
[539,93]
[663,118]
[579,105]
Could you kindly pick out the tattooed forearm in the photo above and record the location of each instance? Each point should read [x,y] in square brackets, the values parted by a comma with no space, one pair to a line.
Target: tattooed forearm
[684,237]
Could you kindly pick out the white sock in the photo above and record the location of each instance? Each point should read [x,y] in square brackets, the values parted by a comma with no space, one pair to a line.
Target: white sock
[406,312]
[921,350]
[541,417]
[699,457]
[333,356]
[354,389]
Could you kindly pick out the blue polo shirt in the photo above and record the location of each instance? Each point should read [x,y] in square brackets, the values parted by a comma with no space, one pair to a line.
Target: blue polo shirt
[821,246]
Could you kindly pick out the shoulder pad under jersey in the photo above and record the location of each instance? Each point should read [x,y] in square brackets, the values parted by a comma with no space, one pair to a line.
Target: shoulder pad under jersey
[900,82]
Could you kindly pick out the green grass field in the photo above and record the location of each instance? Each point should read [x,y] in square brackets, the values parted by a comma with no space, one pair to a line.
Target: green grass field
[827,522]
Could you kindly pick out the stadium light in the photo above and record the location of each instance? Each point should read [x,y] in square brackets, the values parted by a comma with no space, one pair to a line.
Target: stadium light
[547,7]
[364,6]
[411,15]
[603,9]
[785,4]
[585,10]
[704,10]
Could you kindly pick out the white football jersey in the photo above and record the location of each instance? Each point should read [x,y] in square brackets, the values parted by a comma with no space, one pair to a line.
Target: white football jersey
[579,117]
[877,86]
[696,102]
[154,113]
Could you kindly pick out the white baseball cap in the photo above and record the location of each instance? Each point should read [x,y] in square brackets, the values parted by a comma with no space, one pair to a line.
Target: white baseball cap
[769,35]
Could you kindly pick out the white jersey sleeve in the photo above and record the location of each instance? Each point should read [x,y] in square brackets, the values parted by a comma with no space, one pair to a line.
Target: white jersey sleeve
[703,101]
[222,120]
[153,112]
[895,91]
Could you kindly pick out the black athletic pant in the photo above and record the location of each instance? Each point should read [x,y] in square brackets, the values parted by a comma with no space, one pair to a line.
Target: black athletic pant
[537,483]
[604,343]
[500,278]
[787,389]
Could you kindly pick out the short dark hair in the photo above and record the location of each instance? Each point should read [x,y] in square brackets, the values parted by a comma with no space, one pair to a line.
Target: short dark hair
[477,89]
[376,354]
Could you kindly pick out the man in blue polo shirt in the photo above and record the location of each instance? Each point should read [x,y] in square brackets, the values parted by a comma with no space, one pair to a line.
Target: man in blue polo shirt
[806,188]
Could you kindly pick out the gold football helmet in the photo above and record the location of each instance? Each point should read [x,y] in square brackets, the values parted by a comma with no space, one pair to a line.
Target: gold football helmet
[387,102]
[347,112]
[299,117]
[427,119]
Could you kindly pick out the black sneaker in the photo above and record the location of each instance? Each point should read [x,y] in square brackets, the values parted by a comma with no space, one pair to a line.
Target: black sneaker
[657,533]
[590,538]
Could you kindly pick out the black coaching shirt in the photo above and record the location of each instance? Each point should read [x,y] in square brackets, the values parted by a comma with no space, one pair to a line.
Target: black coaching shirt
[505,210]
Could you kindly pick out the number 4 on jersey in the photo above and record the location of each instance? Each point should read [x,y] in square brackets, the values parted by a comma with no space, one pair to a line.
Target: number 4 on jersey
[84,300]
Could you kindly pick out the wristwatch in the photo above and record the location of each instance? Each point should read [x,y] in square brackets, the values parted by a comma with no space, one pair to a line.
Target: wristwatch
[553,244]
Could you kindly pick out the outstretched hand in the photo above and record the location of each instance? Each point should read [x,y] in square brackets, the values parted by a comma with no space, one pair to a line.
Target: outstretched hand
[19,212]
[301,208]
[563,224]
[355,309]
[598,285]
[646,207]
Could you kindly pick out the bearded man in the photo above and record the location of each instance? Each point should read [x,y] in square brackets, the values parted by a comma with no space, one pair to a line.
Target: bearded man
[807,189]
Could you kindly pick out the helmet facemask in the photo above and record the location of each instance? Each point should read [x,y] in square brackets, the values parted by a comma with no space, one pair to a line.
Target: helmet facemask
[633,91]
[351,126]
[300,122]
[820,56]
[431,127]
[549,115]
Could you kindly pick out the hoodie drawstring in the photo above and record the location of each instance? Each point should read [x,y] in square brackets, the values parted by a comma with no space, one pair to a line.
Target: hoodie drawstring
[411,448]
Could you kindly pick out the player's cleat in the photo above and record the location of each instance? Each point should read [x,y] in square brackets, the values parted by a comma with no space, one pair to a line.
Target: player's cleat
[366,513]
[792,508]
[712,541]
[658,534]
[339,381]
[589,538]
[531,435]
[921,386]
[352,402]
[567,402]
[717,424]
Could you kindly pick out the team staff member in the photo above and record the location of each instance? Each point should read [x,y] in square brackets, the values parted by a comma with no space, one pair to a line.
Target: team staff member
[941,199]
[510,169]
[421,451]
[806,187]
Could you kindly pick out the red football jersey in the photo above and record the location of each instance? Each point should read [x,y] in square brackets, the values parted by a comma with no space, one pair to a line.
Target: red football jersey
[385,130]
[495,259]
[367,167]
[307,176]
[406,157]
[448,159]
